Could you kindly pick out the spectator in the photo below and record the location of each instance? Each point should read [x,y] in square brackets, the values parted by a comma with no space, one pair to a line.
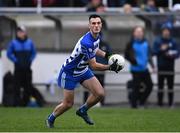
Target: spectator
[151,6]
[21,52]
[127,8]
[138,54]
[166,50]
[95,6]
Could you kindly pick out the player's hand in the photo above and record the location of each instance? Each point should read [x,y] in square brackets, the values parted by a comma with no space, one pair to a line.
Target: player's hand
[115,67]
[119,68]
[164,47]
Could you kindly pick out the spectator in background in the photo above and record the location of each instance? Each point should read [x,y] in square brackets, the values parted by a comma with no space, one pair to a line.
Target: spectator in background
[166,50]
[127,9]
[138,54]
[95,6]
[151,6]
[21,52]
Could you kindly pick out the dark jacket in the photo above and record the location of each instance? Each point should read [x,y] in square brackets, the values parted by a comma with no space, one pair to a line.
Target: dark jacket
[129,53]
[164,61]
[21,53]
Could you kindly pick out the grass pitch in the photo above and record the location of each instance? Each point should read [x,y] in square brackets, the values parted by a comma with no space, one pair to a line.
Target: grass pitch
[106,119]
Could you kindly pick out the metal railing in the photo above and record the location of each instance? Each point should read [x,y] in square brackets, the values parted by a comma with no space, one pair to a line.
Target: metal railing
[123,73]
[61,10]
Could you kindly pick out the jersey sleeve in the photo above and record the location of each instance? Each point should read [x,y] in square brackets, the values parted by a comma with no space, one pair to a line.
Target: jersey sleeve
[10,52]
[33,51]
[156,47]
[88,51]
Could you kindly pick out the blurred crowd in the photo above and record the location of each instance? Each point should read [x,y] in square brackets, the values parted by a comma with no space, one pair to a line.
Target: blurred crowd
[147,5]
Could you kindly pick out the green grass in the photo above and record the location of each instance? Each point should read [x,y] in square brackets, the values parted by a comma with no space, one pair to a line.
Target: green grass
[106,119]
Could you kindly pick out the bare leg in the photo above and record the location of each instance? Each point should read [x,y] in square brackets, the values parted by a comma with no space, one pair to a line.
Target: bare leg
[97,94]
[66,104]
[96,89]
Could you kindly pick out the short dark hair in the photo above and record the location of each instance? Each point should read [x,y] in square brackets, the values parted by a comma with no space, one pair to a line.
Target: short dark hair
[94,16]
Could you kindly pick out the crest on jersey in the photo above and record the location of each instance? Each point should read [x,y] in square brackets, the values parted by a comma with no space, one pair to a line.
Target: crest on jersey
[90,50]
[96,44]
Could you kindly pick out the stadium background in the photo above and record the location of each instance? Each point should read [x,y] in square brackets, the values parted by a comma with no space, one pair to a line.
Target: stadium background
[55,30]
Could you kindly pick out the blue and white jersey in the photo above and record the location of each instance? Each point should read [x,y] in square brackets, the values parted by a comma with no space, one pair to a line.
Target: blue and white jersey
[85,49]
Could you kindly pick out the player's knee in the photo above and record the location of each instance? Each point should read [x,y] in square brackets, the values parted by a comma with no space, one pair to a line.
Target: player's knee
[68,104]
[101,95]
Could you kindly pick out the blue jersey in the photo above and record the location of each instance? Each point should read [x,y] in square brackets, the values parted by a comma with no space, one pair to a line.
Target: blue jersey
[141,51]
[85,49]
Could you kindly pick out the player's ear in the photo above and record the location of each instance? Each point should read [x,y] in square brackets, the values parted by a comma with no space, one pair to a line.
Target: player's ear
[89,25]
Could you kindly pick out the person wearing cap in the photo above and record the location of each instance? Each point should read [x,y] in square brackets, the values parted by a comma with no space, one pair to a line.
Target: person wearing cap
[166,50]
[21,51]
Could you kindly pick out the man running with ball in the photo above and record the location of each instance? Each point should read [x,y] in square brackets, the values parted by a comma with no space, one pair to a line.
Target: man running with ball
[76,70]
